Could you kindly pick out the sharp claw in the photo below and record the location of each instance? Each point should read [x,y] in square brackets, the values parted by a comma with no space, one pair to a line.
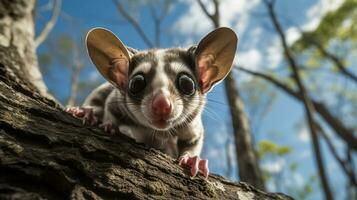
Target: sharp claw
[194,167]
[196,164]
[203,166]
[183,160]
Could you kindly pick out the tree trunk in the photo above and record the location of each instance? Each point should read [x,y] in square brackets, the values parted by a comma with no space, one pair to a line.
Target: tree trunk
[46,153]
[248,166]
[247,161]
[18,31]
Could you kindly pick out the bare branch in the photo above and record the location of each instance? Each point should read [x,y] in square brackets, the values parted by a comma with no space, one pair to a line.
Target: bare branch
[248,167]
[78,65]
[157,23]
[216,12]
[336,60]
[345,133]
[347,169]
[134,23]
[204,9]
[309,107]
[50,24]
[213,17]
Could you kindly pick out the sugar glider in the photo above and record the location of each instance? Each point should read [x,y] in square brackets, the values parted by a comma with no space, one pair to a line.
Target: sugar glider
[157,96]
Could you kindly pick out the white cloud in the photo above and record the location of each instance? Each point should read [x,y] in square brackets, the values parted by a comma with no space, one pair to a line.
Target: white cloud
[249,59]
[292,34]
[274,54]
[315,13]
[304,135]
[195,22]
[274,166]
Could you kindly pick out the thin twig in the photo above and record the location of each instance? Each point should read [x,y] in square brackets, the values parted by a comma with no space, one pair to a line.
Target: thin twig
[50,24]
[343,164]
[248,167]
[309,107]
[337,61]
[134,23]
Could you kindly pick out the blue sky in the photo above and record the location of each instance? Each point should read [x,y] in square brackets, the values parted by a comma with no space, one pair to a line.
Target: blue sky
[258,49]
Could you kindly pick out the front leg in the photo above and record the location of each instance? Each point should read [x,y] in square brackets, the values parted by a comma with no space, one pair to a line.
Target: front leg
[87,114]
[189,155]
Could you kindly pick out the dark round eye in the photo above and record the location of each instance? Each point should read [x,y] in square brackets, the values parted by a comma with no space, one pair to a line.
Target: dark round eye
[137,84]
[186,85]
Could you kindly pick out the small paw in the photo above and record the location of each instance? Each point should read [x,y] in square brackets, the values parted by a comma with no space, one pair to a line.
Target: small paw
[196,164]
[86,114]
[108,127]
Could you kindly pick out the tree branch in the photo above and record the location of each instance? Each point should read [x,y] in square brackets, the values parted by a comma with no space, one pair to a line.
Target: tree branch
[78,65]
[204,9]
[309,107]
[213,17]
[343,132]
[157,23]
[347,169]
[50,24]
[134,23]
[336,60]
[248,166]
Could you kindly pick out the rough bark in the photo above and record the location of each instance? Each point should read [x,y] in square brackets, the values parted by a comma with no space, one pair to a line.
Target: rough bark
[46,153]
[248,166]
[17,30]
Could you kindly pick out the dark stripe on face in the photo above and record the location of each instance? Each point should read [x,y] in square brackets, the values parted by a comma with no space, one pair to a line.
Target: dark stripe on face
[136,60]
[180,55]
[137,98]
[139,58]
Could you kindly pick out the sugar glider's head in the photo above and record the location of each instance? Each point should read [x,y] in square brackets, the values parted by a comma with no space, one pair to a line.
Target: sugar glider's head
[163,88]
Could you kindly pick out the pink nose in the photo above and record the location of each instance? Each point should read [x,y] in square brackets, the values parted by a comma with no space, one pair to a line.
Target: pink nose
[161,106]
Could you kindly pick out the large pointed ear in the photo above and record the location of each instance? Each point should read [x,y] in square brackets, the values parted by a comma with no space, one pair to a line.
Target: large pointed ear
[109,55]
[214,56]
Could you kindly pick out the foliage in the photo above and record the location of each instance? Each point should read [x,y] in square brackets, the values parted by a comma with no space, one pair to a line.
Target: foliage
[268,148]
[341,23]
